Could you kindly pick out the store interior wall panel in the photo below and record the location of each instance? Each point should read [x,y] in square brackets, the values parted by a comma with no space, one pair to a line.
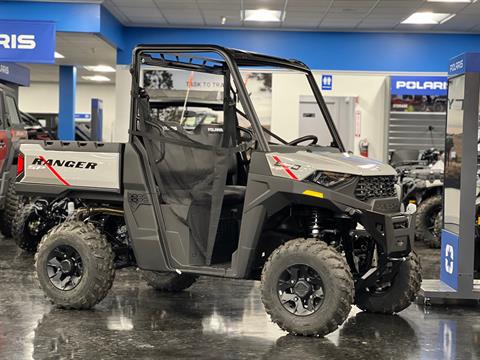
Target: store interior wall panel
[369,89]
[42,97]
[410,130]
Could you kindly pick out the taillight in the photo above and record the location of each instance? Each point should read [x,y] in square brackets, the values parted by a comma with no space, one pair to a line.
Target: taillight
[20,164]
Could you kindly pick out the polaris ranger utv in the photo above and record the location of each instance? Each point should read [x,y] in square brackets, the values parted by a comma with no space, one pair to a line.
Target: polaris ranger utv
[322,229]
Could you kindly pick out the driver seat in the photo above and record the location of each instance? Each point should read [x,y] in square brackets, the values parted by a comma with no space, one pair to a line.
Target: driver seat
[234,195]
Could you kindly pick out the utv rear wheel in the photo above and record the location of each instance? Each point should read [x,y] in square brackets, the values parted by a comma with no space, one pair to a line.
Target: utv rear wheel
[168,281]
[75,265]
[307,287]
[7,215]
[425,220]
[398,294]
[27,230]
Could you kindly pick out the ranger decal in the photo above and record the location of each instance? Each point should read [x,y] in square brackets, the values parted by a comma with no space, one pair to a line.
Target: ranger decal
[66,163]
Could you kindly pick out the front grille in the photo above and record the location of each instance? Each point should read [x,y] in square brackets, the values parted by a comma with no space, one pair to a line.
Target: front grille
[375,187]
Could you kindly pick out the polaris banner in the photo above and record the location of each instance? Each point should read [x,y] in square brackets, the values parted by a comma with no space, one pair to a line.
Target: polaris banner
[466,62]
[15,74]
[27,41]
[419,85]
[449,259]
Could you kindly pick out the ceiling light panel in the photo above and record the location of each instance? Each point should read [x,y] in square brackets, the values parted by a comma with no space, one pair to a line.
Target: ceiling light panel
[427,18]
[100,68]
[453,1]
[262,15]
[98,78]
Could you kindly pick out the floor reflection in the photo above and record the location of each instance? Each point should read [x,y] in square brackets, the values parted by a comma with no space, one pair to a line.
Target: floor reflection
[216,319]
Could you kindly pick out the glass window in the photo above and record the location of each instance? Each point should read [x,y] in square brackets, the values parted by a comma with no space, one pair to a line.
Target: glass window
[453,152]
[12,110]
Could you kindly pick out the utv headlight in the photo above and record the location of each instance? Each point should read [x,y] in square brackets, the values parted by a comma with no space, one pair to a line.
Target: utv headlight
[328,178]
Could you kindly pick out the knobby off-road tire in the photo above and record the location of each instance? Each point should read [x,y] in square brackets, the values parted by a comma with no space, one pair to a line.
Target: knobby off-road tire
[168,281]
[436,241]
[404,287]
[12,204]
[21,233]
[97,259]
[337,284]
[424,221]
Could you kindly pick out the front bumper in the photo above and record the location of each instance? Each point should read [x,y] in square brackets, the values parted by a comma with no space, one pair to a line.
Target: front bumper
[394,234]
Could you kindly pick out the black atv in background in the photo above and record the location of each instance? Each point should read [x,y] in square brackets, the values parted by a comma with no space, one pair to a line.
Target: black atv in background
[420,181]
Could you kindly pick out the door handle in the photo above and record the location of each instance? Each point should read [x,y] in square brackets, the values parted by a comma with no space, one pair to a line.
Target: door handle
[2,144]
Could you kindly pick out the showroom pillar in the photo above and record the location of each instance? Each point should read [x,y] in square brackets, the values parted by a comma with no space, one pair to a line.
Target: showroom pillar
[67,96]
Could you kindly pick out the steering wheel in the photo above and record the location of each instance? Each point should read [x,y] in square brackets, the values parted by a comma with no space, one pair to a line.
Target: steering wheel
[312,138]
[247,132]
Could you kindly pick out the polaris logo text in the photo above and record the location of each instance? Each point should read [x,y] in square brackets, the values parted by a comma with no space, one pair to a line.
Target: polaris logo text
[290,166]
[66,163]
[456,66]
[16,41]
[422,85]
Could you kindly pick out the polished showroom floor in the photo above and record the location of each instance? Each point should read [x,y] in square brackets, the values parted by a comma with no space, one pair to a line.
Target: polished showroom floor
[215,319]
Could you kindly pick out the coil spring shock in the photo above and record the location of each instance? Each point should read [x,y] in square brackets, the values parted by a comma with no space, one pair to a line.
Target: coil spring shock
[316,224]
[312,224]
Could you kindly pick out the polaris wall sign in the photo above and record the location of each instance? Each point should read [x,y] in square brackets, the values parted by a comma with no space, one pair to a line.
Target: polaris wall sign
[419,85]
[27,41]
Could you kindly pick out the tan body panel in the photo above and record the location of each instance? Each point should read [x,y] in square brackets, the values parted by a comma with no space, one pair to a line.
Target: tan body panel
[70,168]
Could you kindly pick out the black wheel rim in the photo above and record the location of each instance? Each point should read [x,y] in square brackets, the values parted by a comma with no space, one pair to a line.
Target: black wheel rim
[300,290]
[64,267]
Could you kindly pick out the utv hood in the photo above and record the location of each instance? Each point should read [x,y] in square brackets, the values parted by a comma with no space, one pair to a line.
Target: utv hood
[301,164]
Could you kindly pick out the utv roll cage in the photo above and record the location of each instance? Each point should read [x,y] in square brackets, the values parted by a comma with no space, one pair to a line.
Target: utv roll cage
[173,56]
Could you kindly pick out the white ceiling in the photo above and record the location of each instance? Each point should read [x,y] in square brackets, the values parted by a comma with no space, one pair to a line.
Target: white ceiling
[319,15]
[79,49]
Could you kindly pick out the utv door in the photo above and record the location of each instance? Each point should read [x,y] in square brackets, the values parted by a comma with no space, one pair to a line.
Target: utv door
[191,170]
[11,130]
[13,118]
[5,136]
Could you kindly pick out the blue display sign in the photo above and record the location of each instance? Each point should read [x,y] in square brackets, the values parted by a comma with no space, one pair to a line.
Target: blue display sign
[27,41]
[419,85]
[449,259]
[466,62]
[83,116]
[327,82]
[15,74]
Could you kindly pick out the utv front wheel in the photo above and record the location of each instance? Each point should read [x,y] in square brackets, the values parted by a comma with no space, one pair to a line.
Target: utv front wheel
[307,287]
[75,265]
[168,282]
[27,229]
[398,294]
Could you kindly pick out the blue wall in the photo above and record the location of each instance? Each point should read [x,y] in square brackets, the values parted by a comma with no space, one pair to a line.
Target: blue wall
[394,52]
[69,17]
[323,50]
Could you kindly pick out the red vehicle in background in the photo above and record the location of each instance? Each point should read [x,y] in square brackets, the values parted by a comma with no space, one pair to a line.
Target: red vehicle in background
[11,131]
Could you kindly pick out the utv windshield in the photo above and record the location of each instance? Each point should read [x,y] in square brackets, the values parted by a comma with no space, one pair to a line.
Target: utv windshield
[189,88]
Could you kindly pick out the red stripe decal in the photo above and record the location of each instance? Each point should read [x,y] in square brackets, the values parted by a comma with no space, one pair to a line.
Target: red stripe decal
[54,172]
[285,167]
